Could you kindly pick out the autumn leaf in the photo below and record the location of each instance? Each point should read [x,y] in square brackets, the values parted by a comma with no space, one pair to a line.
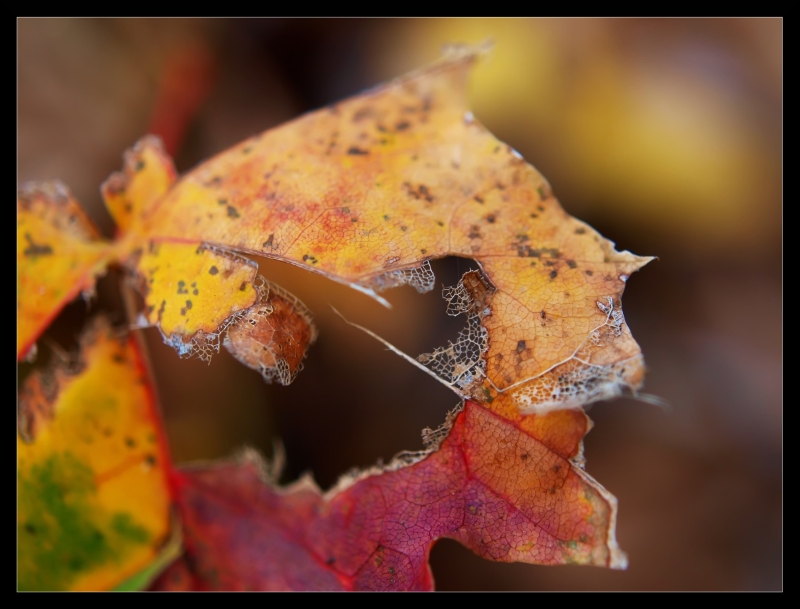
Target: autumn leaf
[367,192]
[94,504]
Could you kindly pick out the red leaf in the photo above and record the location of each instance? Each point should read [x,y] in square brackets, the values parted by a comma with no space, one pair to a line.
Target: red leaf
[501,492]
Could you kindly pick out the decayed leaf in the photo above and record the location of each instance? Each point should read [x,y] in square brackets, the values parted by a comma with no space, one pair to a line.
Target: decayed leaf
[506,494]
[274,336]
[92,470]
[369,190]
[59,255]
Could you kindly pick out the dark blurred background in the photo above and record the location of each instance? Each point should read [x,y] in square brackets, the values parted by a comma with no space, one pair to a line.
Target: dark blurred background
[664,134]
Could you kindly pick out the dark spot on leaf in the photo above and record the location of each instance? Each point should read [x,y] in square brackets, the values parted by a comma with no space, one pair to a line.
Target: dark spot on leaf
[35,249]
[130,442]
[534,215]
[420,192]
[188,304]
[540,207]
[118,358]
[521,346]
[542,195]
[195,292]
[353,219]
[580,231]
[524,456]
[183,311]
[553,490]
[232,213]
[330,561]
[356,150]
[242,288]
[403,228]
[222,201]
[440,223]
[491,218]
[385,217]
[161,308]
[150,460]
[269,242]
[590,273]
[402,125]
[478,199]
[557,467]
[139,165]
[572,264]
[543,315]
[213,270]
[553,274]
[182,287]
[423,251]
[246,150]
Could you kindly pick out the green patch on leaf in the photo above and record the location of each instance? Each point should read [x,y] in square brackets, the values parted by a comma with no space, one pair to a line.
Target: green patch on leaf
[62,536]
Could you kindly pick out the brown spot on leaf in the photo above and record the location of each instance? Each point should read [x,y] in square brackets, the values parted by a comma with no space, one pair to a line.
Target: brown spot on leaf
[35,249]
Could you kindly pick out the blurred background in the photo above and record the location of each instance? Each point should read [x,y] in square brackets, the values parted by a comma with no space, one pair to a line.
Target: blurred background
[664,134]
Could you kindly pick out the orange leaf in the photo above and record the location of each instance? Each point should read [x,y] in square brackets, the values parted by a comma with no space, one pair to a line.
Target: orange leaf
[93,497]
[369,190]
